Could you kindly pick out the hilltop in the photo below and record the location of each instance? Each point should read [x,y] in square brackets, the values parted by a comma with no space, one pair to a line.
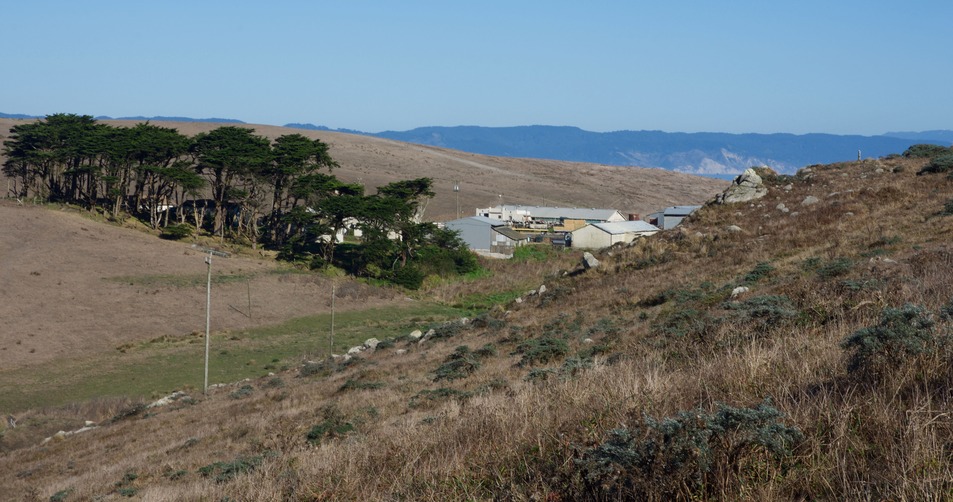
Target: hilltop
[653,376]
[483,179]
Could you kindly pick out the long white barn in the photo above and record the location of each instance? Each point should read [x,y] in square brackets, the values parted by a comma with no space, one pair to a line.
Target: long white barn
[542,216]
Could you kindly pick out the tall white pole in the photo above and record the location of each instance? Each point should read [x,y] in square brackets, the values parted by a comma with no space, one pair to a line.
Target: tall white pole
[331,337]
[208,314]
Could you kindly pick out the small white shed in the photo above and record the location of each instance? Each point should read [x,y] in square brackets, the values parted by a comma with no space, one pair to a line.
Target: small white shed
[603,235]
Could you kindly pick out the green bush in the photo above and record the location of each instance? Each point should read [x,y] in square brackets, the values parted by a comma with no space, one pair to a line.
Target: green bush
[940,164]
[901,334]
[223,472]
[834,268]
[334,425]
[409,277]
[768,309]
[692,455]
[923,150]
[460,364]
[442,394]
[177,232]
[541,350]
[760,271]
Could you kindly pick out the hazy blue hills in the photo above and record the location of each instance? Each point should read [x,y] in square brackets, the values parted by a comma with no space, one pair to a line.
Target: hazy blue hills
[700,153]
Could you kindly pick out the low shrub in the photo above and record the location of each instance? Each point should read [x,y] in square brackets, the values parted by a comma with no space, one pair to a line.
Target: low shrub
[835,268]
[460,364]
[223,472]
[940,164]
[924,150]
[947,208]
[541,350]
[760,271]
[333,426]
[177,232]
[901,334]
[692,455]
[242,392]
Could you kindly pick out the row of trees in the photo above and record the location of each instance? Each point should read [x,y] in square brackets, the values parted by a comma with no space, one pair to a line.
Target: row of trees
[235,184]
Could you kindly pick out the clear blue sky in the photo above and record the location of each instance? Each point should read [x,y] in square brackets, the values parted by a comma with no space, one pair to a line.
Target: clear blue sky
[844,67]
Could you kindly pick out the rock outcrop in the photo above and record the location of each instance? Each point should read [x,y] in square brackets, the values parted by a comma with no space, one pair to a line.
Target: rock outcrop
[747,186]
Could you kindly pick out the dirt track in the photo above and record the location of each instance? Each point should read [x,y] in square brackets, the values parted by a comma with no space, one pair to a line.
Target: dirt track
[71,286]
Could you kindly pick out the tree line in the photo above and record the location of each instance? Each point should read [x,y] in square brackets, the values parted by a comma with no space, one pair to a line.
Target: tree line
[232,183]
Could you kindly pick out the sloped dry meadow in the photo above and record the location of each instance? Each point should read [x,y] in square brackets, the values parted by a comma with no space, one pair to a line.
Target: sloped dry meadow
[643,379]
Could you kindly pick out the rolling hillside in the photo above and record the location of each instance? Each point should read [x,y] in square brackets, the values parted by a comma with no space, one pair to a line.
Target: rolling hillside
[793,348]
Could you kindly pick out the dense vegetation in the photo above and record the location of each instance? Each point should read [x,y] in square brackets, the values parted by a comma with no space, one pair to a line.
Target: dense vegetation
[234,184]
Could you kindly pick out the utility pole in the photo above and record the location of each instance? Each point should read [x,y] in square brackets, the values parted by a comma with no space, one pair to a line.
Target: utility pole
[456,190]
[331,336]
[208,313]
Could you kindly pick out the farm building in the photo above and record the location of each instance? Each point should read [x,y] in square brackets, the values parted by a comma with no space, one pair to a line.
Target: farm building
[603,235]
[485,234]
[541,217]
[670,217]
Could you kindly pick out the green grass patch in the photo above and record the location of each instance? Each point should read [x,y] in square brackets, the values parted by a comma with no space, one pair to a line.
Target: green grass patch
[154,369]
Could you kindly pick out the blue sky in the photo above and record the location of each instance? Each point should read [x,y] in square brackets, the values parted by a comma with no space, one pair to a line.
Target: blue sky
[843,67]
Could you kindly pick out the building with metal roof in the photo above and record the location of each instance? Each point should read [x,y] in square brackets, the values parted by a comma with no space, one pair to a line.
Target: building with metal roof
[541,217]
[670,217]
[603,235]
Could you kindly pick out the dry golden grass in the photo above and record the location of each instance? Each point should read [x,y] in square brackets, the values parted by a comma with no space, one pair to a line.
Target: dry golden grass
[512,437]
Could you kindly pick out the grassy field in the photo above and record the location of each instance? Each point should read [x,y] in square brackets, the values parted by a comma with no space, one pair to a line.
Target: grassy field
[156,368]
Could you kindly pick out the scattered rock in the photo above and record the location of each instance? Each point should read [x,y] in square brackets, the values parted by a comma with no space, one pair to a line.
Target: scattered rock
[428,335]
[781,207]
[371,343]
[588,340]
[464,321]
[519,300]
[589,261]
[415,334]
[400,352]
[355,350]
[810,200]
[542,289]
[733,228]
[747,186]
[740,290]
[167,400]
[788,187]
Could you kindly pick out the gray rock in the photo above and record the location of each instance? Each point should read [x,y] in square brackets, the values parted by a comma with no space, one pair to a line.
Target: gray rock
[589,261]
[740,290]
[371,343]
[810,200]
[781,207]
[400,352]
[519,300]
[542,289]
[415,334]
[788,187]
[733,228]
[355,350]
[746,187]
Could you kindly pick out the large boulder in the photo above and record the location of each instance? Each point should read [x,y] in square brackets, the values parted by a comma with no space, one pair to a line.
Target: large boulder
[747,186]
[589,261]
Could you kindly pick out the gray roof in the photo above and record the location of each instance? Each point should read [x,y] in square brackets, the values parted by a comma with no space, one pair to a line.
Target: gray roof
[511,233]
[680,210]
[476,219]
[572,213]
[624,227]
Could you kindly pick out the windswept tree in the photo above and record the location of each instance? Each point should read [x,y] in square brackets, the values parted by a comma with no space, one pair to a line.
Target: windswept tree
[293,157]
[224,156]
[53,157]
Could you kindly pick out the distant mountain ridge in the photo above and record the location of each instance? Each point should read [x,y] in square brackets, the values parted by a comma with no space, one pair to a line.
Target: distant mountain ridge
[705,153]
[697,153]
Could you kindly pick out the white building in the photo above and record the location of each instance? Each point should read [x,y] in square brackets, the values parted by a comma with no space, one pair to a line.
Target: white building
[603,235]
[541,217]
